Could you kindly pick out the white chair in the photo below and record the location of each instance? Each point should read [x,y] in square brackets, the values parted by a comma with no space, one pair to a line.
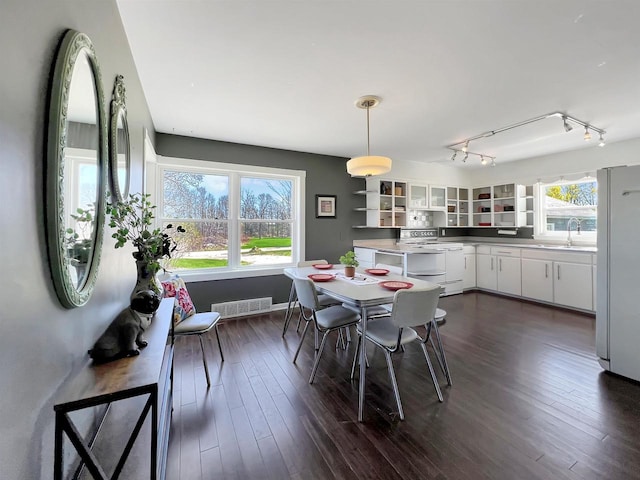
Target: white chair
[411,308]
[324,300]
[325,320]
[199,324]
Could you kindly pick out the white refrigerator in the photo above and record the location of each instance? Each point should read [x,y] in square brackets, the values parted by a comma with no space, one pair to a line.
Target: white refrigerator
[618,271]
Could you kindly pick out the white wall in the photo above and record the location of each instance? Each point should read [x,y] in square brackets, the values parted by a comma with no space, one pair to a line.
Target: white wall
[572,165]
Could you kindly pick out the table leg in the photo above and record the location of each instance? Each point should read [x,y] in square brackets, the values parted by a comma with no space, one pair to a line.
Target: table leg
[363,363]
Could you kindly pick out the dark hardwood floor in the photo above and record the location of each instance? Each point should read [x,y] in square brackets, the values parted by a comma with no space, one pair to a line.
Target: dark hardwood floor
[528,401]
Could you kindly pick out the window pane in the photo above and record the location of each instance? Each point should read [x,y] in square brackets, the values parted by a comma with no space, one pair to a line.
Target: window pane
[265,199]
[203,245]
[194,195]
[575,200]
[265,243]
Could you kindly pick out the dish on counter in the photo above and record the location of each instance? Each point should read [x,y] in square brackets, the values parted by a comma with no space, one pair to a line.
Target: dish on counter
[394,285]
[322,266]
[321,277]
[377,271]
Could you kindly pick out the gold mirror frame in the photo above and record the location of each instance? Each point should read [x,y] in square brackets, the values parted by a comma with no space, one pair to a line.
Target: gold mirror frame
[72,292]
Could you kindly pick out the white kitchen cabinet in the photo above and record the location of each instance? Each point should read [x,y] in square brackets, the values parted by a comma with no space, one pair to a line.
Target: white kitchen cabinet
[486,272]
[498,268]
[458,207]
[469,275]
[537,279]
[507,205]
[437,197]
[509,275]
[573,284]
[386,203]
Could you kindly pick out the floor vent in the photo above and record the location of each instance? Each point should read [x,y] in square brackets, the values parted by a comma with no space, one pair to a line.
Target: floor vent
[240,308]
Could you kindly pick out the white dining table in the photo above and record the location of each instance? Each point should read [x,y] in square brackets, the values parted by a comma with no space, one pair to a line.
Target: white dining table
[363,292]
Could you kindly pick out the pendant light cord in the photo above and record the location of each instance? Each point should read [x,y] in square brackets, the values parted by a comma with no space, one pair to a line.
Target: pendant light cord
[368,106]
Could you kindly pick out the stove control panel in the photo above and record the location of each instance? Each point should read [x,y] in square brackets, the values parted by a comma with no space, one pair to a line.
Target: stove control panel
[419,234]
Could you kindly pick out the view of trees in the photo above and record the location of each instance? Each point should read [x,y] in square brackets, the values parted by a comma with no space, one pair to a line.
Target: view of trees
[190,196]
[575,193]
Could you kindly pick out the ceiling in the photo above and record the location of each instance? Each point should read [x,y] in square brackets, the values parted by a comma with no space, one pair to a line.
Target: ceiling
[286,74]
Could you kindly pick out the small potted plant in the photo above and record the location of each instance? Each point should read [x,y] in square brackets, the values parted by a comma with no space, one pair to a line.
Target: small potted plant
[350,263]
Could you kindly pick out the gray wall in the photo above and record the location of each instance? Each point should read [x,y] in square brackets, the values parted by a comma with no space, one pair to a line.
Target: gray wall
[326,238]
[42,344]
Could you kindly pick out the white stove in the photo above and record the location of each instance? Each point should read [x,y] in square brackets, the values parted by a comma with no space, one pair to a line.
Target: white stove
[434,261]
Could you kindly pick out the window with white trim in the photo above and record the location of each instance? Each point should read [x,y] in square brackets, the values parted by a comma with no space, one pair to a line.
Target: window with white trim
[569,204]
[238,220]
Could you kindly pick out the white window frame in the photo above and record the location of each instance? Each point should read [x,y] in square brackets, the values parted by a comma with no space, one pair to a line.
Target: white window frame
[235,172]
[540,225]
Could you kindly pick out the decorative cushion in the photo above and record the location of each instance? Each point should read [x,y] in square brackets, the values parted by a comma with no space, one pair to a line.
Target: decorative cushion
[183,307]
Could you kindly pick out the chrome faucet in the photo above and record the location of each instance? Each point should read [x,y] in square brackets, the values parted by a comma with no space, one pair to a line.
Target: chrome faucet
[577,222]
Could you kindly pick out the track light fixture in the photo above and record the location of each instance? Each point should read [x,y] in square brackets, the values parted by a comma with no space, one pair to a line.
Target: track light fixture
[483,158]
[453,157]
[567,122]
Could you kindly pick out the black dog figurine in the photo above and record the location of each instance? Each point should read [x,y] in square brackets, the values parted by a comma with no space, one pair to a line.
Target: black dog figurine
[124,333]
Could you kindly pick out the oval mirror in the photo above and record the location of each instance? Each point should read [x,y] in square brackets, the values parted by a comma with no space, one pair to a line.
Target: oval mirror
[119,149]
[76,170]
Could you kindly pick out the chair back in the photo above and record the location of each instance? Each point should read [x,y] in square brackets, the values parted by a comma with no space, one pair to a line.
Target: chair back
[397,269]
[415,306]
[310,263]
[306,291]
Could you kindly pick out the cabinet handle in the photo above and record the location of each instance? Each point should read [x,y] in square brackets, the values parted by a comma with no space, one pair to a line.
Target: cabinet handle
[491,263]
[465,263]
[504,253]
[558,272]
[546,270]
[500,264]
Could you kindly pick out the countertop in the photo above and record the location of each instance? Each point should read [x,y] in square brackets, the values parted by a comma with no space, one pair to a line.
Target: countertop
[399,248]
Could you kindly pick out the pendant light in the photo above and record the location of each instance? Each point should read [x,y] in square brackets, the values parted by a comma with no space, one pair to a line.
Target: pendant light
[369,164]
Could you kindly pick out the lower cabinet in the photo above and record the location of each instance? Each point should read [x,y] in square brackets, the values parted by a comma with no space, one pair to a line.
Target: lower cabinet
[561,278]
[469,274]
[573,285]
[537,279]
[498,269]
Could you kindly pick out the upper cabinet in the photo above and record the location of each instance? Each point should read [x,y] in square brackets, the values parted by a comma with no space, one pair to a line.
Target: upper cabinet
[458,207]
[386,203]
[506,205]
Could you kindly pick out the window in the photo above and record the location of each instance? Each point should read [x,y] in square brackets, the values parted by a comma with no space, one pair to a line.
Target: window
[238,220]
[564,203]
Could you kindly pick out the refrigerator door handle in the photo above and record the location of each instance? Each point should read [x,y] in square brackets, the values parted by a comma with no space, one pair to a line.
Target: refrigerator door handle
[629,192]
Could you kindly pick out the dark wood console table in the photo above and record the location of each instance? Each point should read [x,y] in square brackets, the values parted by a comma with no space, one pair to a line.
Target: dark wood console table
[149,374]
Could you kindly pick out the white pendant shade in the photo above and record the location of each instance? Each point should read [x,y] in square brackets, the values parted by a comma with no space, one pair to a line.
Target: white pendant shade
[368,165]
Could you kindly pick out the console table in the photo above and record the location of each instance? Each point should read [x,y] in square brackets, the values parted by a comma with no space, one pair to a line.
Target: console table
[149,374]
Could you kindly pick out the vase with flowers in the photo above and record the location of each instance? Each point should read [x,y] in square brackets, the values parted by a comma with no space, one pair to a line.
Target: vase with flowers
[133,221]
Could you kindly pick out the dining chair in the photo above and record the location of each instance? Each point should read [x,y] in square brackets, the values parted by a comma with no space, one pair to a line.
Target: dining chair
[186,321]
[411,308]
[325,300]
[325,320]
[438,320]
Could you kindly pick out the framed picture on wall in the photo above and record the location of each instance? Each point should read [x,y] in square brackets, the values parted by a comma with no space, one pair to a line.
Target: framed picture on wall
[325,206]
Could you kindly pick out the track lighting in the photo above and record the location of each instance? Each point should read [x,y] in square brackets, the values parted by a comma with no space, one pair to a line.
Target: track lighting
[453,157]
[483,160]
[567,122]
[464,160]
[483,157]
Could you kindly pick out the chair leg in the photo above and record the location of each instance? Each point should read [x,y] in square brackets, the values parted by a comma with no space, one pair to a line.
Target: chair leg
[355,358]
[304,333]
[394,383]
[290,308]
[340,340]
[348,329]
[219,345]
[431,371]
[442,357]
[204,361]
[318,355]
